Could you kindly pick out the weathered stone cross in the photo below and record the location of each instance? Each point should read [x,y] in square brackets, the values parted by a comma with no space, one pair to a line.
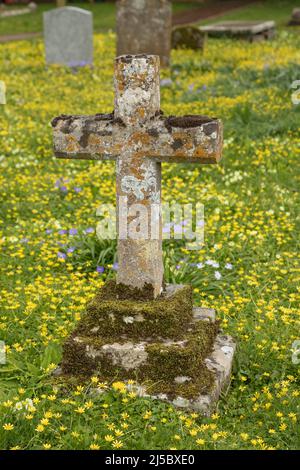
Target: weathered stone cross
[139,138]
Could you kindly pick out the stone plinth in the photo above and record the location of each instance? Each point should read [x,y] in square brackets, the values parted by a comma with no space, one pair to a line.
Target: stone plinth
[250,30]
[175,352]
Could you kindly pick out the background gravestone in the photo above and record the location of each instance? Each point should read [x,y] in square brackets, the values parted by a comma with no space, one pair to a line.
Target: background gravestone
[68,34]
[250,30]
[189,37]
[144,27]
[295,20]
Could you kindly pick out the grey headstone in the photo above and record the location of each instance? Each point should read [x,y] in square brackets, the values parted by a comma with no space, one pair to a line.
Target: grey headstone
[144,27]
[68,34]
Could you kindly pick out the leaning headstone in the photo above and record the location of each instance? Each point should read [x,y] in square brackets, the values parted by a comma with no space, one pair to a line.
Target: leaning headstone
[136,327]
[295,20]
[68,34]
[144,27]
[250,30]
[187,37]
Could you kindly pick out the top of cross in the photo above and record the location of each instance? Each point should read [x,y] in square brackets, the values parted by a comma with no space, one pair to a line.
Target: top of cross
[139,137]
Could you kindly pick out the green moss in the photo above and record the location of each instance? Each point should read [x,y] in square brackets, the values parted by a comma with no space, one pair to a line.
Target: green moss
[164,363]
[107,316]
[173,343]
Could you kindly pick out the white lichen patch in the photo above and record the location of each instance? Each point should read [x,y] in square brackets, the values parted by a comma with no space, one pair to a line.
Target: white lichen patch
[127,355]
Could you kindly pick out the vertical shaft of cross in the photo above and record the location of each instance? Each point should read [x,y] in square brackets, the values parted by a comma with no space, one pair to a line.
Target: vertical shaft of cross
[137,100]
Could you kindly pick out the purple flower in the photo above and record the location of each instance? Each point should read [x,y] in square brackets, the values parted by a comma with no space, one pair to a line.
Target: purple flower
[89,230]
[61,255]
[100,269]
[178,266]
[63,189]
[73,231]
[62,232]
[24,240]
[48,231]
[115,266]
[165,82]
[71,249]
[77,189]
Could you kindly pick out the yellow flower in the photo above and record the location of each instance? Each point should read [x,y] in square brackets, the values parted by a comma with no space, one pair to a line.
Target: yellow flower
[119,386]
[8,427]
[117,444]
[200,442]
[109,438]
[47,446]
[79,410]
[94,447]
[40,428]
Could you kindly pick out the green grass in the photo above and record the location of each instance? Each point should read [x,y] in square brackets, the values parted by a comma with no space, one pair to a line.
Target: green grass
[276,10]
[104,17]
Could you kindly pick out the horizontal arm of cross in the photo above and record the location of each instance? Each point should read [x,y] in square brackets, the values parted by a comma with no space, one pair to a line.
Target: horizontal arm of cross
[196,139]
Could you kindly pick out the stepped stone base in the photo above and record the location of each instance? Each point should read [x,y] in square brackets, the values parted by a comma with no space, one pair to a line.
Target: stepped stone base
[172,350]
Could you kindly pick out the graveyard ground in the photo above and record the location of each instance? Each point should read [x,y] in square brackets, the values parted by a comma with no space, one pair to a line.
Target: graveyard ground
[104,14]
[51,262]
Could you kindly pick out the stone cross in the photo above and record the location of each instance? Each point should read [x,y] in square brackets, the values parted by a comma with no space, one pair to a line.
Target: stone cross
[144,27]
[139,138]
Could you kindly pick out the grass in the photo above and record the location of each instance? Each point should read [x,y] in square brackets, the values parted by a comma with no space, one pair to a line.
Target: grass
[104,17]
[50,253]
[277,10]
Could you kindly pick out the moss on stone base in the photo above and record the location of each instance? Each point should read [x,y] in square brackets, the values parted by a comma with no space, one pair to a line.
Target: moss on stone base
[158,342]
[162,362]
[109,317]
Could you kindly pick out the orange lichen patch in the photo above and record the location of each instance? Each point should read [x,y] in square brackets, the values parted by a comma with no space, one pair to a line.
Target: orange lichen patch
[71,144]
[94,140]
